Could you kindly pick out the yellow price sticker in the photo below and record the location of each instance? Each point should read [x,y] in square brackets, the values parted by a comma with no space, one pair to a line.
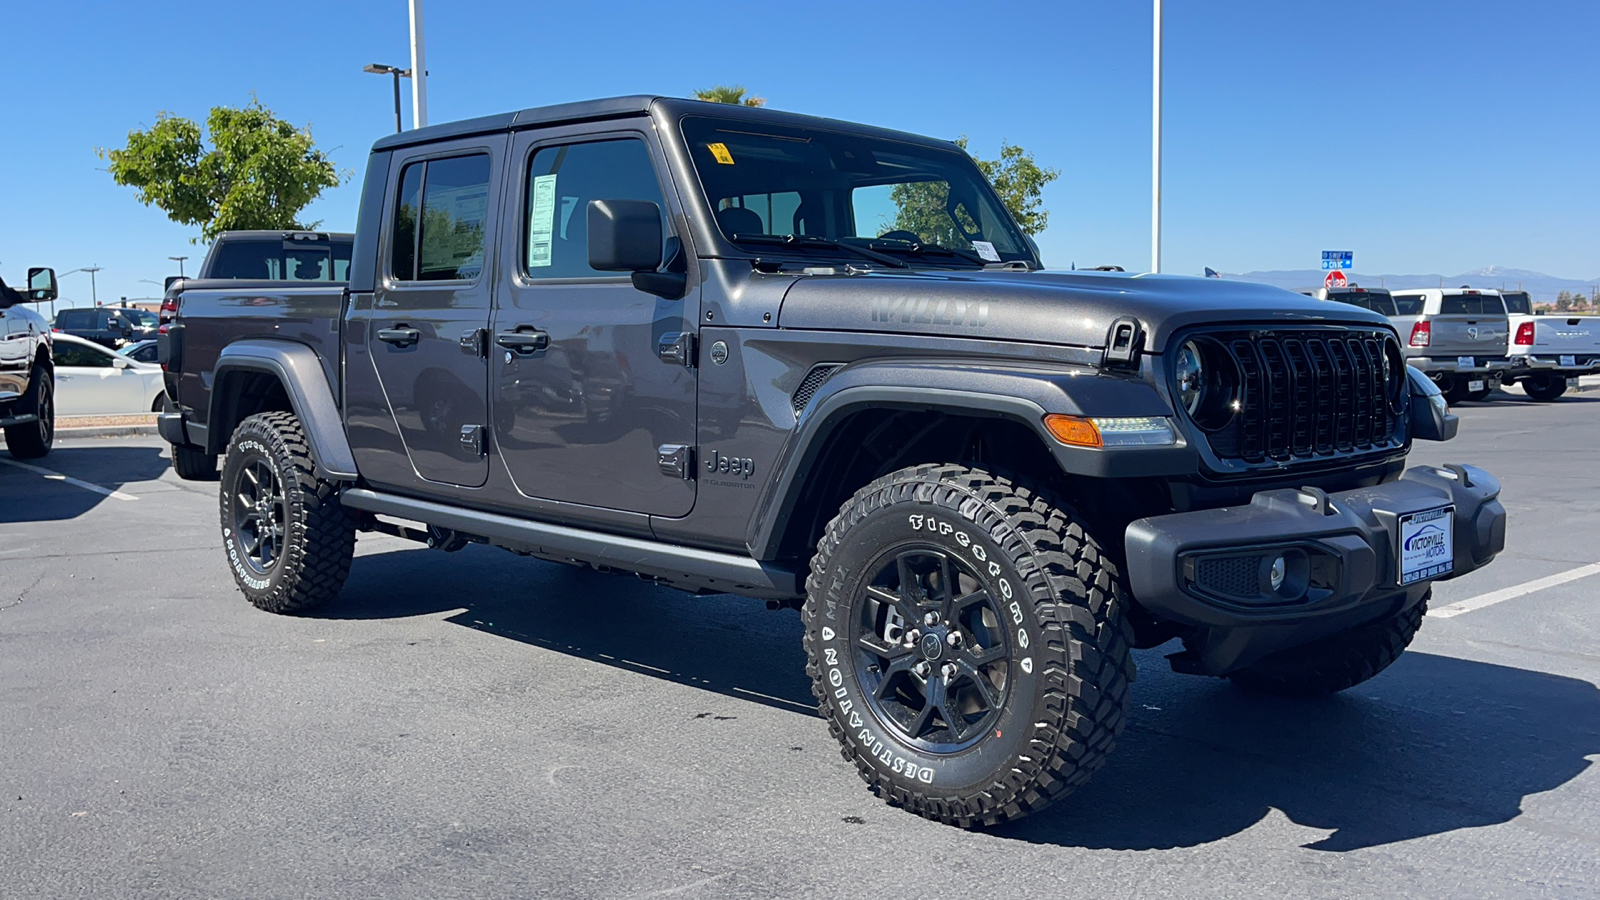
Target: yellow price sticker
[720,152]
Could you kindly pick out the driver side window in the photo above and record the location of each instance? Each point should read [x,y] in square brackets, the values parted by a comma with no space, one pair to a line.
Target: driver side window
[561,182]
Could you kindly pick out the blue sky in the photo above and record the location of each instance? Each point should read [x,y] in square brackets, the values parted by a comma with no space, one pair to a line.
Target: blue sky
[1424,136]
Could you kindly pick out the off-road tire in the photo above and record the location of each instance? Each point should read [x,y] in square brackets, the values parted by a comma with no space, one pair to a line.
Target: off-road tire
[1544,388]
[193,463]
[33,440]
[318,536]
[1067,641]
[1338,662]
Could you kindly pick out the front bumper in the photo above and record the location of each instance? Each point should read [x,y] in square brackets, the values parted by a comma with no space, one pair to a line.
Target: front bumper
[1211,570]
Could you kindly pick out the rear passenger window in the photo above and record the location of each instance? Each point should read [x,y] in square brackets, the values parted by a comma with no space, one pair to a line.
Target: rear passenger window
[561,182]
[440,215]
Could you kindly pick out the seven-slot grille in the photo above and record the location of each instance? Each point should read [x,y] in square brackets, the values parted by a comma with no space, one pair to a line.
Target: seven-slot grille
[1310,394]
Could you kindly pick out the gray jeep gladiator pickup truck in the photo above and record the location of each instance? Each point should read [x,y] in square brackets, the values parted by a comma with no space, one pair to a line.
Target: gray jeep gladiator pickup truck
[739,350]
[27,375]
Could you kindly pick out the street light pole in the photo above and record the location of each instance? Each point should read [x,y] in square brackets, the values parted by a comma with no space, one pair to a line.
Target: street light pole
[419,69]
[1155,148]
[398,73]
[94,294]
[179,260]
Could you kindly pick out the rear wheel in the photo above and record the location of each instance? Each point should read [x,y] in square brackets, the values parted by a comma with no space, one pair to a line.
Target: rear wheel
[968,644]
[1480,395]
[1454,388]
[288,540]
[32,440]
[193,463]
[1337,662]
[1544,388]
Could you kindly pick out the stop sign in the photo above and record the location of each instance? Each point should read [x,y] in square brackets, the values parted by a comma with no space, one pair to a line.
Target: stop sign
[1335,279]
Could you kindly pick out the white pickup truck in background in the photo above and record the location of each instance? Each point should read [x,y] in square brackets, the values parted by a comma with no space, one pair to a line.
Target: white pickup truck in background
[1548,352]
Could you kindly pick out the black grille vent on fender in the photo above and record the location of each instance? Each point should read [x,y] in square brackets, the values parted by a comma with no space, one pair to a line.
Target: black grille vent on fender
[808,385]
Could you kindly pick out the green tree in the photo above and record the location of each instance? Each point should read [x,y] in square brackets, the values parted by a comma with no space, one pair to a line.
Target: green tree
[729,93]
[259,171]
[924,208]
[1564,301]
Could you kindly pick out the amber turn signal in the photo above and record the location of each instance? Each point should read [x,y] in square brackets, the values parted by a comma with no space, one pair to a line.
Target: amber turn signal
[1073,430]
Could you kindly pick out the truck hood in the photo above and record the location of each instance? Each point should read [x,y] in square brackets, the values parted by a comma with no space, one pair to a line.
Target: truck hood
[1073,308]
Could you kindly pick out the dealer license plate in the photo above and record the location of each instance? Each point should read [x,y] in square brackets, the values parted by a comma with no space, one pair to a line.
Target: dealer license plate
[1475,385]
[1427,542]
[1466,362]
[1572,383]
[1568,362]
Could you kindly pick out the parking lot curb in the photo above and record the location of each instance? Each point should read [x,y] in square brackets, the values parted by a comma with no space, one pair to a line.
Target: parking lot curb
[95,431]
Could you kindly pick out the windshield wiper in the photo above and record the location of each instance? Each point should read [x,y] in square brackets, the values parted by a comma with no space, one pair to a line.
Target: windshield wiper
[806,240]
[921,249]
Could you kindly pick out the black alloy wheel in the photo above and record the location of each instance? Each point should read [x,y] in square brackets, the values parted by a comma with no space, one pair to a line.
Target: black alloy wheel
[258,515]
[933,652]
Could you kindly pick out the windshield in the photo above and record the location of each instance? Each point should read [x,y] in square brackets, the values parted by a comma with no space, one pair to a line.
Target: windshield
[927,204]
[1518,303]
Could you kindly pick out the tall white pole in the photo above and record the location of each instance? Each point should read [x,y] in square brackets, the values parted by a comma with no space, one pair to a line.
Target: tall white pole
[1155,150]
[419,70]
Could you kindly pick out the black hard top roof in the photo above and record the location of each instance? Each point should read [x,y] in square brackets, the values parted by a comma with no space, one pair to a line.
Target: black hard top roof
[284,234]
[622,107]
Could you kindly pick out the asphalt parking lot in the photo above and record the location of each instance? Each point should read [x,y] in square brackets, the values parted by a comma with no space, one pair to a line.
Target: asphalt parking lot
[481,725]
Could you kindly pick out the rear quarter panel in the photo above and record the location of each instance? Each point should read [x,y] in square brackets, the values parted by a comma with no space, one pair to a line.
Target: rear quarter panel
[214,314]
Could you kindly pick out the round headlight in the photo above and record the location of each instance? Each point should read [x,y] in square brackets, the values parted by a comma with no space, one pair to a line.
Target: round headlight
[1189,373]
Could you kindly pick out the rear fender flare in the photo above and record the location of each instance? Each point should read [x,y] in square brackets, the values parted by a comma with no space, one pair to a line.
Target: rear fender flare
[300,372]
[1023,394]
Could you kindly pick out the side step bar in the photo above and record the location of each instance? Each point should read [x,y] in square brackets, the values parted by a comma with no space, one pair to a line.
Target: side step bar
[684,567]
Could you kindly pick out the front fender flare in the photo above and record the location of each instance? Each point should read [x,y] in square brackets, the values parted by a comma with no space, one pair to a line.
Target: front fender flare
[1021,393]
[298,369]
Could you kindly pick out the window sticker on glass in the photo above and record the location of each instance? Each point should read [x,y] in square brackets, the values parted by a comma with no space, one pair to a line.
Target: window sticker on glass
[542,219]
[986,250]
[720,152]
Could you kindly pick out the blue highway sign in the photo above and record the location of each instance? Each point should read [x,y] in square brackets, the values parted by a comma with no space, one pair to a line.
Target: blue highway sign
[1338,259]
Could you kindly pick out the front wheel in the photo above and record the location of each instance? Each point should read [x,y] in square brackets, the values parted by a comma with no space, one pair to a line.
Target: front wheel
[32,440]
[967,644]
[288,541]
[1337,662]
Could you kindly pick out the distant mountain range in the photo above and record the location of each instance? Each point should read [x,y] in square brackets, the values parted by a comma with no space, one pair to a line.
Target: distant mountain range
[1543,288]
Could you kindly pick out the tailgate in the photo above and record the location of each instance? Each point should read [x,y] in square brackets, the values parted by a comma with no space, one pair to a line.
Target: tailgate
[1579,336]
[1470,335]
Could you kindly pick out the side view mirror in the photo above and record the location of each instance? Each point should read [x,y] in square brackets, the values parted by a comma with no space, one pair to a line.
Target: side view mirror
[626,236]
[120,362]
[1431,419]
[41,285]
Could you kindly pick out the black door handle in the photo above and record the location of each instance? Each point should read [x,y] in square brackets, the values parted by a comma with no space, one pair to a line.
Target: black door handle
[523,341]
[400,337]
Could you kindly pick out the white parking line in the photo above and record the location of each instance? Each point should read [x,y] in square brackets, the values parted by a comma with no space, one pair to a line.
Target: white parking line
[57,476]
[1527,587]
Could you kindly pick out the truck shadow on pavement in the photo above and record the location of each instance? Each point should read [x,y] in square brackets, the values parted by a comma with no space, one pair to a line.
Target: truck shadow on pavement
[727,645]
[1433,745]
[26,495]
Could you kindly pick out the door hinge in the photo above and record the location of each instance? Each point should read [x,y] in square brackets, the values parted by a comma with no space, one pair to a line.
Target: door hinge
[472,439]
[676,460]
[476,342]
[677,347]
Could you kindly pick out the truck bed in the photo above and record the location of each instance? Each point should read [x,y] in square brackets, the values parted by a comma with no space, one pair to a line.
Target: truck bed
[218,312]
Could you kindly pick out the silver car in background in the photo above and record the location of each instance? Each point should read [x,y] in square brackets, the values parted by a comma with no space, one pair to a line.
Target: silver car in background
[1459,337]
